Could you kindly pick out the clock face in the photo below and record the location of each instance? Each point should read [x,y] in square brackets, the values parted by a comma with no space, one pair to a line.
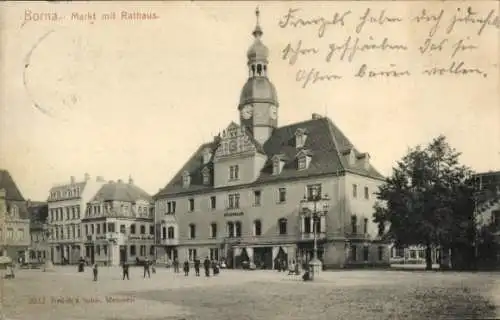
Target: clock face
[273,112]
[233,146]
[246,112]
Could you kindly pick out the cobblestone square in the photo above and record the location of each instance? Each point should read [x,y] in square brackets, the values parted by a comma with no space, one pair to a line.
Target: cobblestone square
[66,294]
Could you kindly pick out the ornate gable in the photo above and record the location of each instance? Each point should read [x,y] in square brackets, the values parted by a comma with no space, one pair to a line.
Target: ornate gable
[234,141]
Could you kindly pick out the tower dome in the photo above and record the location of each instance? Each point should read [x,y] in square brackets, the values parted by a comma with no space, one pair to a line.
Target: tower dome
[258,89]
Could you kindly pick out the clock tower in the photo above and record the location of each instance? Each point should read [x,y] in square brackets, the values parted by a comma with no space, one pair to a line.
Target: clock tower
[258,105]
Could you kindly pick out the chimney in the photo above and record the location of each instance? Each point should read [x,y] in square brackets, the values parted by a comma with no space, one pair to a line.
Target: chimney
[87,177]
[72,179]
[28,203]
[130,180]
[99,179]
[316,116]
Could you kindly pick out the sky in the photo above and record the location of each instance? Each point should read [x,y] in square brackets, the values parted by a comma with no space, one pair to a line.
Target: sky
[137,97]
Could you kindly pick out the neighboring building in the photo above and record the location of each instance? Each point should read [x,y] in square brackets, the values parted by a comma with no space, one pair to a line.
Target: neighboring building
[237,197]
[14,220]
[119,224]
[39,231]
[66,203]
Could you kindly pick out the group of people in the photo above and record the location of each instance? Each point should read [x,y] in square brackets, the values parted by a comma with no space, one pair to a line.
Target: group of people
[207,264]
[147,264]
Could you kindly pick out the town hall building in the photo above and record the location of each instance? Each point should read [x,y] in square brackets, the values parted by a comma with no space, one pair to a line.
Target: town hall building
[259,193]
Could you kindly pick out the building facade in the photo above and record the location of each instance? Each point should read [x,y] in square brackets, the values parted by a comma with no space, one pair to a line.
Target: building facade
[14,219]
[119,225]
[39,231]
[238,197]
[66,204]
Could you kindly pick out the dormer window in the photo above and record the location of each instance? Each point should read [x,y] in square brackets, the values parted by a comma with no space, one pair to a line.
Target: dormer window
[300,138]
[303,159]
[365,157]
[207,155]
[350,156]
[206,175]
[186,179]
[278,163]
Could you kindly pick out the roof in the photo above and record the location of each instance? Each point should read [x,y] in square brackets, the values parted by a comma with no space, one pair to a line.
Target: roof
[120,191]
[325,141]
[258,89]
[11,189]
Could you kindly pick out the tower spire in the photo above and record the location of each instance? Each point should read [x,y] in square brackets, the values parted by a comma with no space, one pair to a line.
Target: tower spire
[257,32]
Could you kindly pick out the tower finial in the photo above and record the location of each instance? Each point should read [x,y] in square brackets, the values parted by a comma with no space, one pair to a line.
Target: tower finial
[257,32]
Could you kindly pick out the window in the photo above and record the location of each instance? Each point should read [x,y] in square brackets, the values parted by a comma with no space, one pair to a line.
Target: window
[152,230]
[122,228]
[365,225]
[67,213]
[171,232]
[230,229]
[105,249]
[302,162]
[79,232]
[213,230]
[257,228]
[73,213]
[256,196]
[111,227]
[104,228]
[132,229]
[143,229]
[234,172]
[282,223]
[192,231]
[186,179]
[381,253]
[354,224]
[313,191]
[276,166]
[152,251]
[354,191]
[366,252]
[98,228]
[98,250]
[164,233]
[192,254]
[213,202]
[142,249]
[495,217]
[171,207]
[237,227]
[281,195]
[307,225]
[214,254]
[354,253]
[86,229]
[234,201]
[367,193]
[20,234]
[191,205]
[92,229]
[206,177]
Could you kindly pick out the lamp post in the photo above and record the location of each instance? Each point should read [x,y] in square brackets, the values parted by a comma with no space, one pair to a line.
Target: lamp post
[315,199]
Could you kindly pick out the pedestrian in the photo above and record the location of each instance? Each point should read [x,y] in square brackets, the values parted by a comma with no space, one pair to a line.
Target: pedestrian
[186,268]
[95,271]
[125,267]
[197,266]
[206,265]
[176,265]
[153,269]
[146,268]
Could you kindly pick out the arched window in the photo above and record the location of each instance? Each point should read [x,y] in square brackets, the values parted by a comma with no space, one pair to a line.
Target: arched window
[192,231]
[307,225]
[237,226]
[171,232]
[354,224]
[282,223]
[230,229]
[253,69]
[164,233]
[259,69]
[257,228]
[132,229]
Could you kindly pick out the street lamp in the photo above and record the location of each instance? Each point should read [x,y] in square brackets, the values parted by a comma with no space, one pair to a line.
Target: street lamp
[315,206]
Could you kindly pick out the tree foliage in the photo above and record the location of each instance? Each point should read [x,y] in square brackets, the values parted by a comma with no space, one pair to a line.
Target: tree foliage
[428,199]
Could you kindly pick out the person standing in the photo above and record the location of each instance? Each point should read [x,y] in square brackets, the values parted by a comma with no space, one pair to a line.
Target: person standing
[176,265]
[197,266]
[146,268]
[95,271]
[186,268]
[206,265]
[215,267]
[125,268]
